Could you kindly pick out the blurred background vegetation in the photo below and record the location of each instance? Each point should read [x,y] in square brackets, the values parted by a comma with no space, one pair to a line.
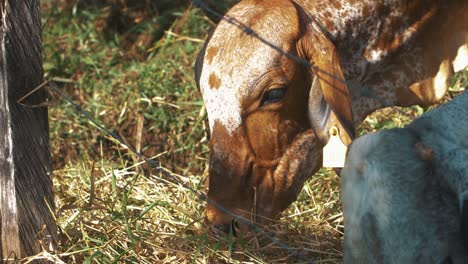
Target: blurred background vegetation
[129,63]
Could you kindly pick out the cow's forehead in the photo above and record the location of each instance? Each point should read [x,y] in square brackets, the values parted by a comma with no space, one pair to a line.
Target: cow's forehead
[234,61]
[227,82]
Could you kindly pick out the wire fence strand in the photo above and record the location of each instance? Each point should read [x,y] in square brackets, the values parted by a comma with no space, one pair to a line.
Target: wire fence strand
[357,88]
[155,163]
[156,166]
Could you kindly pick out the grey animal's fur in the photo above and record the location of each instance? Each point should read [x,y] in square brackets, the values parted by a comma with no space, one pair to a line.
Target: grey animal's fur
[405,191]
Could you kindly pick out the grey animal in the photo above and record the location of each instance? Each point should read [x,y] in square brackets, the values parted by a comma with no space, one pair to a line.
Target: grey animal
[405,191]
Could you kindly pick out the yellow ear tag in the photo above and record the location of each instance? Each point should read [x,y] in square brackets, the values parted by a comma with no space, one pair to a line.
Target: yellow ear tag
[334,153]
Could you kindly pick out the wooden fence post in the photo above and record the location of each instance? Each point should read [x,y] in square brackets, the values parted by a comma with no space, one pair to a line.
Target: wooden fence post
[27,225]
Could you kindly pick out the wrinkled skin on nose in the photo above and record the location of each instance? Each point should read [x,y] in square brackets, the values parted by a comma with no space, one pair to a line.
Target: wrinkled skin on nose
[230,180]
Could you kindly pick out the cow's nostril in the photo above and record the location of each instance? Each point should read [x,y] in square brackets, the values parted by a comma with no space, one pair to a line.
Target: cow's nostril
[235,224]
[249,174]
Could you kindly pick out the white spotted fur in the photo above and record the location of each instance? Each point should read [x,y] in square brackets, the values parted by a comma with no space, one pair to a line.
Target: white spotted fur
[224,104]
[361,60]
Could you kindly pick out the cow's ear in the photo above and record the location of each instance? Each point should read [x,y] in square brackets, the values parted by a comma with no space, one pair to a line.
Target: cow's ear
[198,67]
[329,96]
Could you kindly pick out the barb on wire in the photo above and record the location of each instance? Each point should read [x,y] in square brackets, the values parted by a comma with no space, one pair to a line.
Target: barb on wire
[43,104]
[155,165]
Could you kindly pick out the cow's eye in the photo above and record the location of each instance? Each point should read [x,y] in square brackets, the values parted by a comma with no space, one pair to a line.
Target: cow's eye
[273,96]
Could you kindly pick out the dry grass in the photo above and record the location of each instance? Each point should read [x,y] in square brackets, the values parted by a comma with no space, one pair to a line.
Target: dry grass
[120,215]
[110,206]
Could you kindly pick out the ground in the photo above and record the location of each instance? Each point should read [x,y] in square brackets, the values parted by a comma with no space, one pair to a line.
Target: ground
[129,64]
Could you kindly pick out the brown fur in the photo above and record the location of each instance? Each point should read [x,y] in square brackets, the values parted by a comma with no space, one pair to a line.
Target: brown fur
[262,154]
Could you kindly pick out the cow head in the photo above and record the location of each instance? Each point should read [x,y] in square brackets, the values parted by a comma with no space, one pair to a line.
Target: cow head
[257,99]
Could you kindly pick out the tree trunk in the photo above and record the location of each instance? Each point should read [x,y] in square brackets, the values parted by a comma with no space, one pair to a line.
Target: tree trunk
[27,225]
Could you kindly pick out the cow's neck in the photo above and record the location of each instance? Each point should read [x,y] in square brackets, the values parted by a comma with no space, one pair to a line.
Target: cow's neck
[394,52]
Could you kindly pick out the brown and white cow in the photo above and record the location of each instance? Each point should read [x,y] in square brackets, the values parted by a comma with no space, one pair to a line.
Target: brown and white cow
[269,114]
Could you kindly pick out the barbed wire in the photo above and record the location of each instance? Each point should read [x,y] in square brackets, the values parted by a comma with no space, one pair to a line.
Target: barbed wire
[156,166]
[362,90]
[358,89]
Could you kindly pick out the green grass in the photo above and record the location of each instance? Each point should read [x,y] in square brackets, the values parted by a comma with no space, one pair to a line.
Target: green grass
[138,82]
[121,90]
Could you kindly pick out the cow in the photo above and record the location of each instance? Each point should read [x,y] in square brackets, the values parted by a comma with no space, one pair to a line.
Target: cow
[405,191]
[277,75]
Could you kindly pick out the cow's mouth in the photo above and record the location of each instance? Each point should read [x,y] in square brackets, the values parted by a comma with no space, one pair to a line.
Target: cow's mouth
[268,187]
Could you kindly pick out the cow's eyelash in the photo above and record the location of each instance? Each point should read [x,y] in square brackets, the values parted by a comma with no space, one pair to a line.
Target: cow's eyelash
[273,96]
